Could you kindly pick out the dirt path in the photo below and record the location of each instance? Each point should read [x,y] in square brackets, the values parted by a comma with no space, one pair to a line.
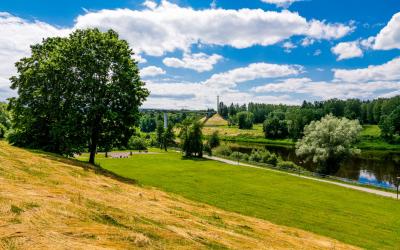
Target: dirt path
[363,189]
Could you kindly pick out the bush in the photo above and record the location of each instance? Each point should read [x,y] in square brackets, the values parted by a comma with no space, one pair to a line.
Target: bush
[137,143]
[245,120]
[223,150]
[207,149]
[288,165]
[213,141]
[239,156]
[263,156]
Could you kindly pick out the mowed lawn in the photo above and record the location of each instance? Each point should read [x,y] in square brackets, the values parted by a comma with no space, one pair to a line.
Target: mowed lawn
[353,217]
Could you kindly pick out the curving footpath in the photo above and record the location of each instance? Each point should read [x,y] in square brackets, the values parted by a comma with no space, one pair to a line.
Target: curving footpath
[363,189]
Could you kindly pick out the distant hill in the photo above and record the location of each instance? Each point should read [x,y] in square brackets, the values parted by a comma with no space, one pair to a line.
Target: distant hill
[215,120]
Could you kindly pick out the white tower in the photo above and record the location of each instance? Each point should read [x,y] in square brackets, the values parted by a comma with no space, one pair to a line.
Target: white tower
[218,104]
[165,120]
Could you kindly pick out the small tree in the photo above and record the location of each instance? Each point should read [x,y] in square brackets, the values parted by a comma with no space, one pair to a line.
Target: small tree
[168,137]
[245,120]
[329,141]
[274,128]
[192,139]
[213,141]
[390,125]
[148,123]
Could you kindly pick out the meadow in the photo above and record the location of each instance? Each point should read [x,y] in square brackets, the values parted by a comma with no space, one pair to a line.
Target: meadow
[353,217]
[51,202]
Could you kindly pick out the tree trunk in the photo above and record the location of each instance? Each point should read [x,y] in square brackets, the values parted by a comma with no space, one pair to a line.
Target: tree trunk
[92,154]
[93,146]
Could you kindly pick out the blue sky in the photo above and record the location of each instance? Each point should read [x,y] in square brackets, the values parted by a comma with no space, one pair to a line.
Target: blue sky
[272,51]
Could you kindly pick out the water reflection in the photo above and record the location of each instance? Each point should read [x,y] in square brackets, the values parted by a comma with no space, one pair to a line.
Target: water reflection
[377,168]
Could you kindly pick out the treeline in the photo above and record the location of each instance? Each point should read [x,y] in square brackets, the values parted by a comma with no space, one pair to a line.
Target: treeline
[367,112]
[288,121]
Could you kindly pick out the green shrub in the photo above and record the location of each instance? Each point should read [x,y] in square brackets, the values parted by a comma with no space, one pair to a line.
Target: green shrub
[137,143]
[288,165]
[239,156]
[223,150]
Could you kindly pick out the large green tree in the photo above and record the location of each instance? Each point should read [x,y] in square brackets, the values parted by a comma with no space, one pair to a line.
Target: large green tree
[78,92]
[191,137]
[328,141]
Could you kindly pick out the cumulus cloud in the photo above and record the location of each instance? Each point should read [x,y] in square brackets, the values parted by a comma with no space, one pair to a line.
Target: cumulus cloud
[16,37]
[168,27]
[253,71]
[202,94]
[151,71]
[386,72]
[346,50]
[281,3]
[389,36]
[199,62]
[327,90]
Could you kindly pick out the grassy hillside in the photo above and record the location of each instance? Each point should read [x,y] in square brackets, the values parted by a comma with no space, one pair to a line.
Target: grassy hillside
[49,202]
[350,216]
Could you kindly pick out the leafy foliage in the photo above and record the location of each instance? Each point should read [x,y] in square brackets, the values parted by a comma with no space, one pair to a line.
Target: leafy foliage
[245,120]
[275,127]
[328,141]
[76,92]
[390,125]
[148,123]
[192,139]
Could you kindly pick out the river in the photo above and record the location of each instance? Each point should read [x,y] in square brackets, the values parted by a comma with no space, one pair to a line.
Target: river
[378,168]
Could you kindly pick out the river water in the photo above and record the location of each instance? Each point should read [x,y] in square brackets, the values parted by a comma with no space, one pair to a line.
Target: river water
[378,168]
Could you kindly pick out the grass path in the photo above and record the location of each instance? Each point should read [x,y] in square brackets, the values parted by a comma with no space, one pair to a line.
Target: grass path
[363,189]
[350,216]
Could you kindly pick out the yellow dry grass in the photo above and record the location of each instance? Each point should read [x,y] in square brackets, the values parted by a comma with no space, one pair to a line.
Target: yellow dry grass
[215,120]
[49,202]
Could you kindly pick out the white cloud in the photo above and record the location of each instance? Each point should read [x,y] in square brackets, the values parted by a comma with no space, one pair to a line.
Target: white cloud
[389,36]
[307,41]
[151,71]
[168,27]
[317,52]
[199,62]
[150,4]
[386,72]
[288,46]
[202,94]
[281,3]
[139,58]
[346,50]
[327,90]
[253,71]
[16,37]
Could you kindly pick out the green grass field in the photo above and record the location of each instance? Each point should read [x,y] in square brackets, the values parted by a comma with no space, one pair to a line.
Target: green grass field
[357,218]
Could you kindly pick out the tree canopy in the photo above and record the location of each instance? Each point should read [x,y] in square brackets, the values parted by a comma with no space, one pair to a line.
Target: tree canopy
[328,141]
[78,92]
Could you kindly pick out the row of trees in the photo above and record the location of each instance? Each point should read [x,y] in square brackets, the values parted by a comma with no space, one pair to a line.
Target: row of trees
[367,112]
[286,121]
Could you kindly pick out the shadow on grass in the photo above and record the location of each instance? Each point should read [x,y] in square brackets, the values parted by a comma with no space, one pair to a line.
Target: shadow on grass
[192,158]
[85,165]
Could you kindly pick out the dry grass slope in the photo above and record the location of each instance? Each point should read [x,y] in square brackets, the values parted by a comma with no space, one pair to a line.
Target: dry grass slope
[215,120]
[47,202]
